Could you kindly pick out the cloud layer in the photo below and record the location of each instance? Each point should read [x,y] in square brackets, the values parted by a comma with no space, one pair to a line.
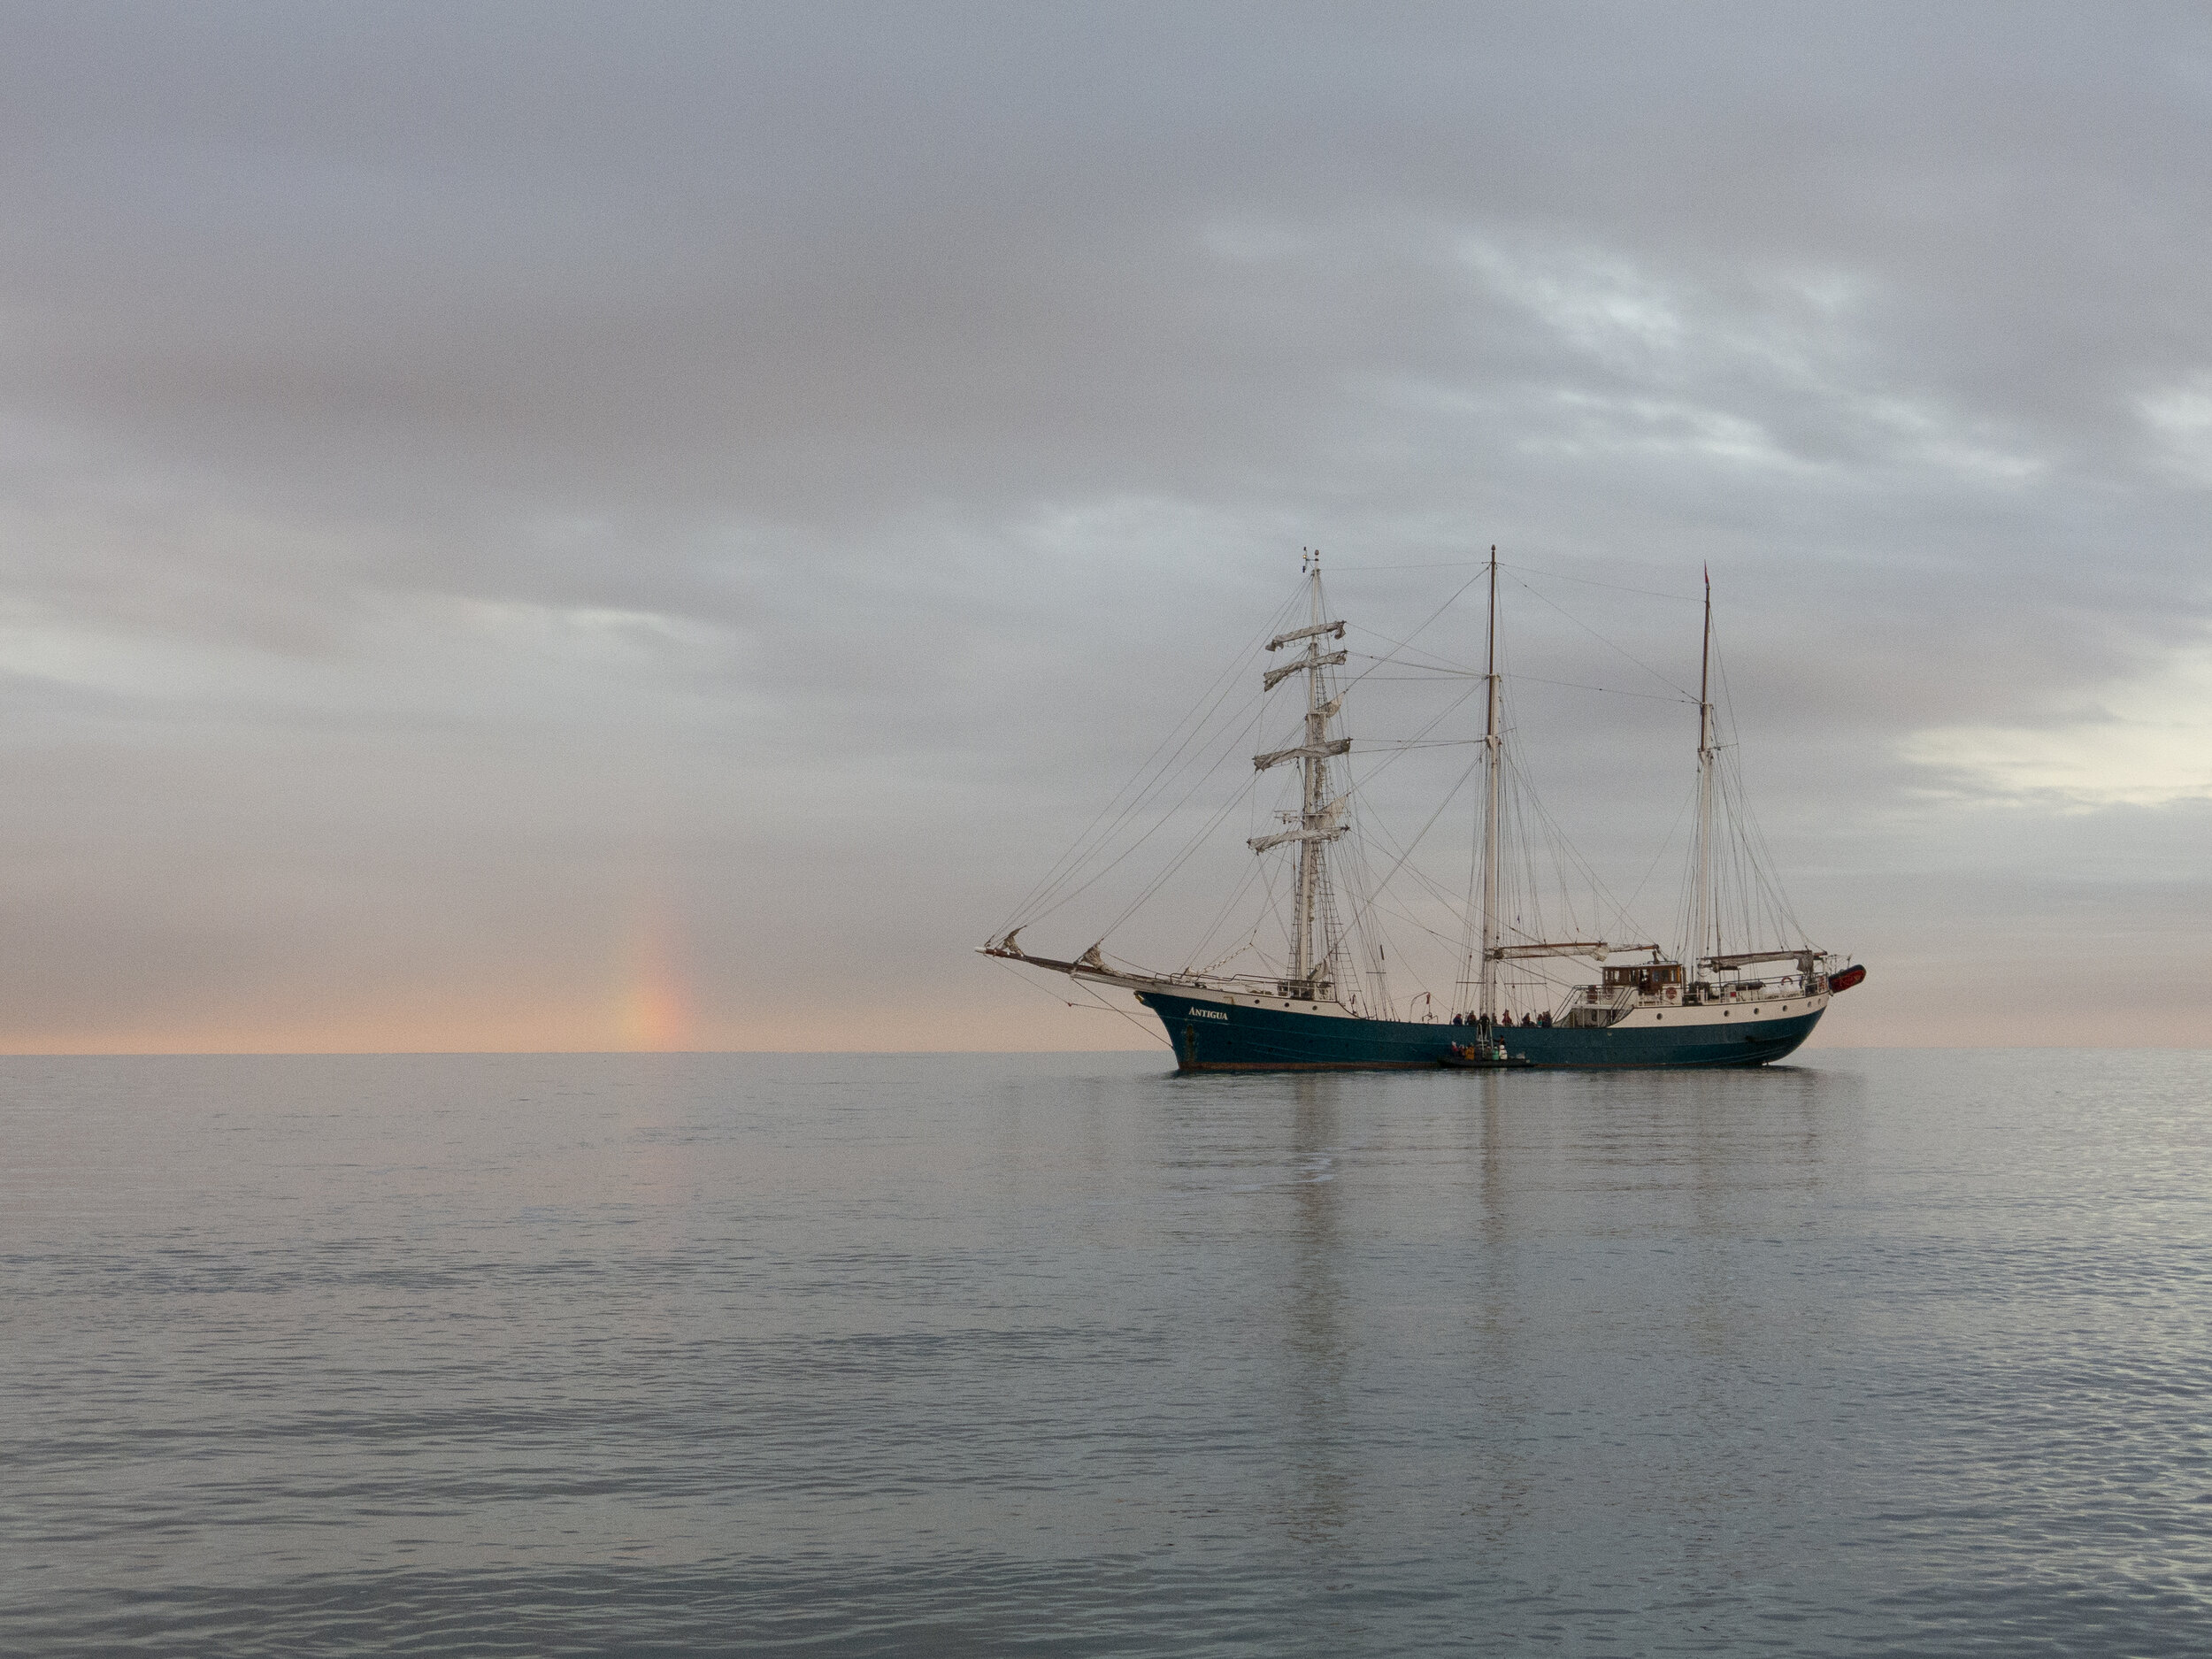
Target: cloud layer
[564,526]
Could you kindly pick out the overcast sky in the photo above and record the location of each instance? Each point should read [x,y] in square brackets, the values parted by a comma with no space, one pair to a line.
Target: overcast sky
[651,526]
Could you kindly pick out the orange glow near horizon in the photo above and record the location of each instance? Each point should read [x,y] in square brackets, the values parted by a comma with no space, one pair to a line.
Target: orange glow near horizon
[629,985]
[650,1010]
[654,1008]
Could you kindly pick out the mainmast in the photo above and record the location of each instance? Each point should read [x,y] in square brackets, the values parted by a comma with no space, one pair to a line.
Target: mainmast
[1319,819]
[1704,917]
[1486,1005]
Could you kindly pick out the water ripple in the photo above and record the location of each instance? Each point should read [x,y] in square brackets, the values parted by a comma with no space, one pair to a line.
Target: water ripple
[1892,1354]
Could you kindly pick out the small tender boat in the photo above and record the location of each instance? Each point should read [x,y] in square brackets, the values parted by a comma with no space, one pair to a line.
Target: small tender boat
[1470,1057]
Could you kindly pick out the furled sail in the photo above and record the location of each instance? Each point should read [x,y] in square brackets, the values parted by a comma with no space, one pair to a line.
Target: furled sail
[1295,634]
[1326,828]
[1304,751]
[1275,677]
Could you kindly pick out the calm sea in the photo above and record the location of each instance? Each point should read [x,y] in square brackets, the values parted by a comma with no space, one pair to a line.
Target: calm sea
[1903,1353]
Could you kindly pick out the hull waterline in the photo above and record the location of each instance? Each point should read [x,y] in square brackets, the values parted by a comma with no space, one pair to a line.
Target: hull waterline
[1209,1035]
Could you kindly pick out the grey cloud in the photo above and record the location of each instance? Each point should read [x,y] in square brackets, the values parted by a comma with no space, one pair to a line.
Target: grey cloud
[844,435]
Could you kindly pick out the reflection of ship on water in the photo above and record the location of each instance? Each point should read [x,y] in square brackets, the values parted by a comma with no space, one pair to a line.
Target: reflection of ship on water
[1319,1344]
[1325,1002]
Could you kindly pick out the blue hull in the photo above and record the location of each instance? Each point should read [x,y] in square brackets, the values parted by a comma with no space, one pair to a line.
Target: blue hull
[1217,1037]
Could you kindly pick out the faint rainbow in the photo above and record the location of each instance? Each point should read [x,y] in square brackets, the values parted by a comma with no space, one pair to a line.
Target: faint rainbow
[653,1005]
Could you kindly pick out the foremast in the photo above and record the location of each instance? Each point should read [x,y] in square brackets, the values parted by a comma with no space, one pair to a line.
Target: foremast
[1320,816]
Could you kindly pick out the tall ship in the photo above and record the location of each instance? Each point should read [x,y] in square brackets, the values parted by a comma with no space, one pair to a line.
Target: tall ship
[1738,985]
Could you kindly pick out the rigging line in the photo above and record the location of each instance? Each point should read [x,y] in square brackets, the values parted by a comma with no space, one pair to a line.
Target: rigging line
[1063,898]
[1435,892]
[1102,1007]
[1750,837]
[1057,891]
[1192,846]
[1430,674]
[1252,940]
[1523,798]
[1406,643]
[1158,1036]
[1091,846]
[1442,667]
[1758,855]
[1566,861]
[1221,920]
[1393,754]
[1443,565]
[1374,896]
[1435,889]
[1413,921]
[1443,900]
[1437,661]
[1021,978]
[1522,801]
[1755,837]
[1179,859]
[1429,678]
[1043,990]
[1415,841]
[1601,639]
[1216,692]
[1577,686]
[1558,576]
[1534,570]
[1437,666]
[1359,915]
[1564,845]
[1189,850]
[1367,781]
[1371,939]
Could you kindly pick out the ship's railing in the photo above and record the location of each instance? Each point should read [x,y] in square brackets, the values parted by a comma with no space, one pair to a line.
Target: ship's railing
[1754,991]
[1603,1004]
